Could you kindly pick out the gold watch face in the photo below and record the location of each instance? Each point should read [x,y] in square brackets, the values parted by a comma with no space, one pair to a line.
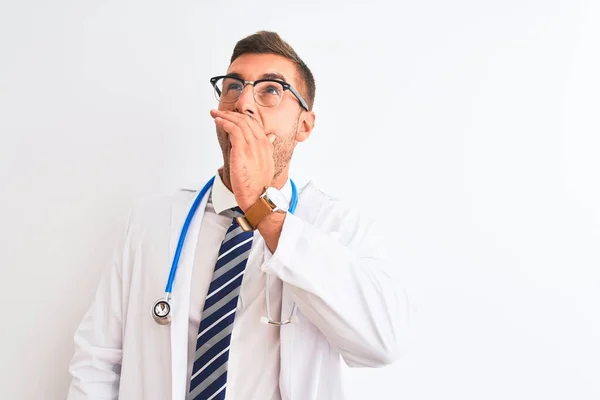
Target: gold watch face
[244,224]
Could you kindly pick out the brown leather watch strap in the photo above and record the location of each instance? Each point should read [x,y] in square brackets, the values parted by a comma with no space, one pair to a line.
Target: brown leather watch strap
[257,212]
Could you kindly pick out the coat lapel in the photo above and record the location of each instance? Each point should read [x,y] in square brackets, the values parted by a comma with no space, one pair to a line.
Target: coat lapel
[180,301]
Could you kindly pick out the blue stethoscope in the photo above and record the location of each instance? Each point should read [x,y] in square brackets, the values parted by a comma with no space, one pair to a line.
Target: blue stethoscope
[161,310]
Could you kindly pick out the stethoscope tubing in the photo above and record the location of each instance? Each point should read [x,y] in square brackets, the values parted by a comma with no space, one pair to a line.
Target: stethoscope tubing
[183,235]
[188,221]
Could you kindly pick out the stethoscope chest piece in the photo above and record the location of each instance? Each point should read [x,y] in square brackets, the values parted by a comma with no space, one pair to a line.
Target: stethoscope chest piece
[161,312]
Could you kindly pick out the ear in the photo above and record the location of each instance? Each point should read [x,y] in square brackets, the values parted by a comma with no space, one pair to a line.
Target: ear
[305,126]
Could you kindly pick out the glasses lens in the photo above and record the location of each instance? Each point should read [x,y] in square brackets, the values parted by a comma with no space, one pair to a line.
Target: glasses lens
[268,94]
[228,90]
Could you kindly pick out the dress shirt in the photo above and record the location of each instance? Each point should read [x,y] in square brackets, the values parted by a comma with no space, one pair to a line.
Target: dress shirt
[254,355]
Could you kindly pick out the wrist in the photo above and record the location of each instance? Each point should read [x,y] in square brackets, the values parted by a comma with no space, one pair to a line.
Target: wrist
[250,201]
[270,202]
[270,229]
[275,219]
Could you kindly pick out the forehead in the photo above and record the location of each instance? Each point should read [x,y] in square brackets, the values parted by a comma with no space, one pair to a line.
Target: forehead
[253,66]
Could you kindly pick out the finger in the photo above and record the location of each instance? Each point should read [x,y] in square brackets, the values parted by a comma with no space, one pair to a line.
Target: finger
[249,124]
[236,136]
[271,138]
[241,124]
[255,126]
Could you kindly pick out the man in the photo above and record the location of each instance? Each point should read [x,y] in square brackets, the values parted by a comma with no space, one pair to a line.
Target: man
[328,282]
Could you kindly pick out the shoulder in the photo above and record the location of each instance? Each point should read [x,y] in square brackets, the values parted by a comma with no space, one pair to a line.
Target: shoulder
[150,204]
[156,208]
[329,212]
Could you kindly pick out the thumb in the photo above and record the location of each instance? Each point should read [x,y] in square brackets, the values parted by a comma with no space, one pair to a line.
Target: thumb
[271,138]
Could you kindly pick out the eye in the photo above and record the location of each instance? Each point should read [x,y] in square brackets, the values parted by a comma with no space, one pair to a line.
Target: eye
[233,86]
[271,89]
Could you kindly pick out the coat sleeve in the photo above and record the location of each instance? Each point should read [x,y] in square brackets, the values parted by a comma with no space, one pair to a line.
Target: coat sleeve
[96,364]
[340,281]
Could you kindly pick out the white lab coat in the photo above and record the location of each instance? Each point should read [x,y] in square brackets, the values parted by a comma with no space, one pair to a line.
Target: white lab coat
[331,264]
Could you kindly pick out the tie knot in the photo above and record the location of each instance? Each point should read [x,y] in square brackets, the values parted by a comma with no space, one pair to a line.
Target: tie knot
[237,212]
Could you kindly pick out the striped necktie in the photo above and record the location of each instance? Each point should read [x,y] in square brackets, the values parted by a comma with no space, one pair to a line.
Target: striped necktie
[209,373]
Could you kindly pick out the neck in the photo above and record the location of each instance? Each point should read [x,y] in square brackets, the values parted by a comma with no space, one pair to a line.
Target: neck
[279,181]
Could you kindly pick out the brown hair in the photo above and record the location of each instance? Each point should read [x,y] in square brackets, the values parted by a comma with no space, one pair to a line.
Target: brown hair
[265,42]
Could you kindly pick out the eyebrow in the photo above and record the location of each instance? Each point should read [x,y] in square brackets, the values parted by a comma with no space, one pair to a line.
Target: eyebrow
[235,75]
[271,75]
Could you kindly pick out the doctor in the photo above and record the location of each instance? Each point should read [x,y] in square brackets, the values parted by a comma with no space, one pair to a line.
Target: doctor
[316,273]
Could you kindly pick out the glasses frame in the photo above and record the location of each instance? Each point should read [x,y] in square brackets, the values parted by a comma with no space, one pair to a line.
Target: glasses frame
[285,85]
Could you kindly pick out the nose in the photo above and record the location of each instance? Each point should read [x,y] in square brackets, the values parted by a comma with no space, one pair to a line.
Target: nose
[246,104]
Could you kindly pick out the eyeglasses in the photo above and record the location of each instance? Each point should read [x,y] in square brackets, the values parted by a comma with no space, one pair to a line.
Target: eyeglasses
[267,92]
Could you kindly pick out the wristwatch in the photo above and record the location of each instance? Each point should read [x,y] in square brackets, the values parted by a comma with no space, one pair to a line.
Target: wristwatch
[272,200]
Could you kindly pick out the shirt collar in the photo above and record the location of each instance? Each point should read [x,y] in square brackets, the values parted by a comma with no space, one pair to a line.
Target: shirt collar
[223,199]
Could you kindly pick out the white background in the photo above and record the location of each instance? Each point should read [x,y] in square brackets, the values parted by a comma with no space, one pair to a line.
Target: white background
[471,126]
